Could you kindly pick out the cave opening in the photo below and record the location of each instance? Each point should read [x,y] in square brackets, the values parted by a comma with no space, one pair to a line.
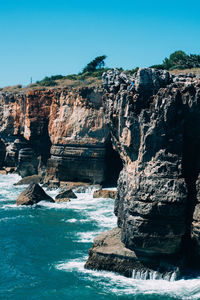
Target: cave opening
[113,166]
[42,143]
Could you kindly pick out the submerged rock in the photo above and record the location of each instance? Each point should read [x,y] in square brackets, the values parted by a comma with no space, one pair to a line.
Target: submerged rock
[29,180]
[32,195]
[105,194]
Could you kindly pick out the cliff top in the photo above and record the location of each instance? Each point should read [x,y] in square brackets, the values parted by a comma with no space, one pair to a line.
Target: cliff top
[87,82]
[61,83]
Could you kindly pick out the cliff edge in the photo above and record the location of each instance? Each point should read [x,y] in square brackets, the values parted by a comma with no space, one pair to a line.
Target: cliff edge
[154,120]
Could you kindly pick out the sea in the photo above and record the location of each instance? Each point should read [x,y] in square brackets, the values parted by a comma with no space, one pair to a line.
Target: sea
[43,250]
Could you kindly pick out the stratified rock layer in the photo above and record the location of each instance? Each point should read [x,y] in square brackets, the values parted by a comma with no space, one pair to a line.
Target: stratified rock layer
[154,120]
[60,133]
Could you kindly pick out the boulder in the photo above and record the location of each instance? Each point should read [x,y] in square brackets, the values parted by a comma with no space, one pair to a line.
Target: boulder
[32,195]
[65,196]
[105,194]
[28,180]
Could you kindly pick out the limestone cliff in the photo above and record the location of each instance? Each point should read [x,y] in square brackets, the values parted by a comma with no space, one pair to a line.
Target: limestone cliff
[60,132]
[154,119]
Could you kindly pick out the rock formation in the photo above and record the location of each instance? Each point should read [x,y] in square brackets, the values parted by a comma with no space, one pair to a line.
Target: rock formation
[29,180]
[154,119]
[105,194]
[150,121]
[32,195]
[56,133]
[65,196]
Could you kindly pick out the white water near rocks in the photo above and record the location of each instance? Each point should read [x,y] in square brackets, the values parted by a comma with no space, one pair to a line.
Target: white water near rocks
[154,275]
[97,215]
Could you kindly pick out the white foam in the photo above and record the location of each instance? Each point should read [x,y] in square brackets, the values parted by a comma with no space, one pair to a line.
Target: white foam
[53,205]
[120,285]
[110,189]
[71,221]
[10,218]
[87,237]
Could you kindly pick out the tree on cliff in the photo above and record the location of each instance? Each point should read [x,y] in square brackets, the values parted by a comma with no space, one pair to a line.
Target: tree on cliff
[95,64]
[179,60]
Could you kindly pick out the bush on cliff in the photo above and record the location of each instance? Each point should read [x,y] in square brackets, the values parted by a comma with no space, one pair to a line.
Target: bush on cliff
[179,60]
[50,81]
[96,64]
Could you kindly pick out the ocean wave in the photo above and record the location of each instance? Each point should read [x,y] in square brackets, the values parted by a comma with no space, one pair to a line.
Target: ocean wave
[120,285]
[10,218]
[87,237]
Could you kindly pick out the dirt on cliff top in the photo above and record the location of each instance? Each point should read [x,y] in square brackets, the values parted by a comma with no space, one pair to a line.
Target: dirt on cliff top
[195,71]
[61,83]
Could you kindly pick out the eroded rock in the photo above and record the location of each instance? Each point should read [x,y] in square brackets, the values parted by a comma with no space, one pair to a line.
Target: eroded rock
[32,195]
[34,179]
[65,196]
[105,194]
[154,123]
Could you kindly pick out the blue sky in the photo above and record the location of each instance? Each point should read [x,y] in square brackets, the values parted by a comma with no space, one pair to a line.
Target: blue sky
[43,38]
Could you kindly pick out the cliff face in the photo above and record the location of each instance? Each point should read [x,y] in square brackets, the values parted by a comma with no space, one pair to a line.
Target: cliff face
[60,129]
[154,120]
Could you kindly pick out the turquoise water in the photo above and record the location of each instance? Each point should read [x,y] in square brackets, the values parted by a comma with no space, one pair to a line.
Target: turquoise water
[43,250]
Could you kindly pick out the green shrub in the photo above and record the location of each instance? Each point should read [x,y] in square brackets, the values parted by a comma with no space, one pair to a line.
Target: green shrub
[179,60]
[47,81]
[97,63]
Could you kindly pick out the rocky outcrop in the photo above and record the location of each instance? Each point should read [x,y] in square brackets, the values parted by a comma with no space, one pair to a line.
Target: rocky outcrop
[110,254]
[2,153]
[65,196]
[32,195]
[154,122]
[78,135]
[27,162]
[56,132]
[29,180]
[105,194]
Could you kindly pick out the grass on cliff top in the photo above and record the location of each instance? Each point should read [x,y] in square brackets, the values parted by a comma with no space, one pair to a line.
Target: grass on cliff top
[75,81]
[60,83]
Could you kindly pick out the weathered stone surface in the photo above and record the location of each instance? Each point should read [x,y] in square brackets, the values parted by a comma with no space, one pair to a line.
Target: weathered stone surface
[27,162]
[109,253]
[60,200]
[64,127]
[32,195]
[29,180]
[105,194]
[67,194]
[78,187]
[155,127]
[79,135]
[2,153]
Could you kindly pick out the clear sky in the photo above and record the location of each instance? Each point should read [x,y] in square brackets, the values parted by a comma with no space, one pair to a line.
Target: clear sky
[43,38]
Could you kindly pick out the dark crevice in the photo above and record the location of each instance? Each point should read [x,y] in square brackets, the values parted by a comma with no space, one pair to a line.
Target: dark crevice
[113,164]
[191,149]
[42,143]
